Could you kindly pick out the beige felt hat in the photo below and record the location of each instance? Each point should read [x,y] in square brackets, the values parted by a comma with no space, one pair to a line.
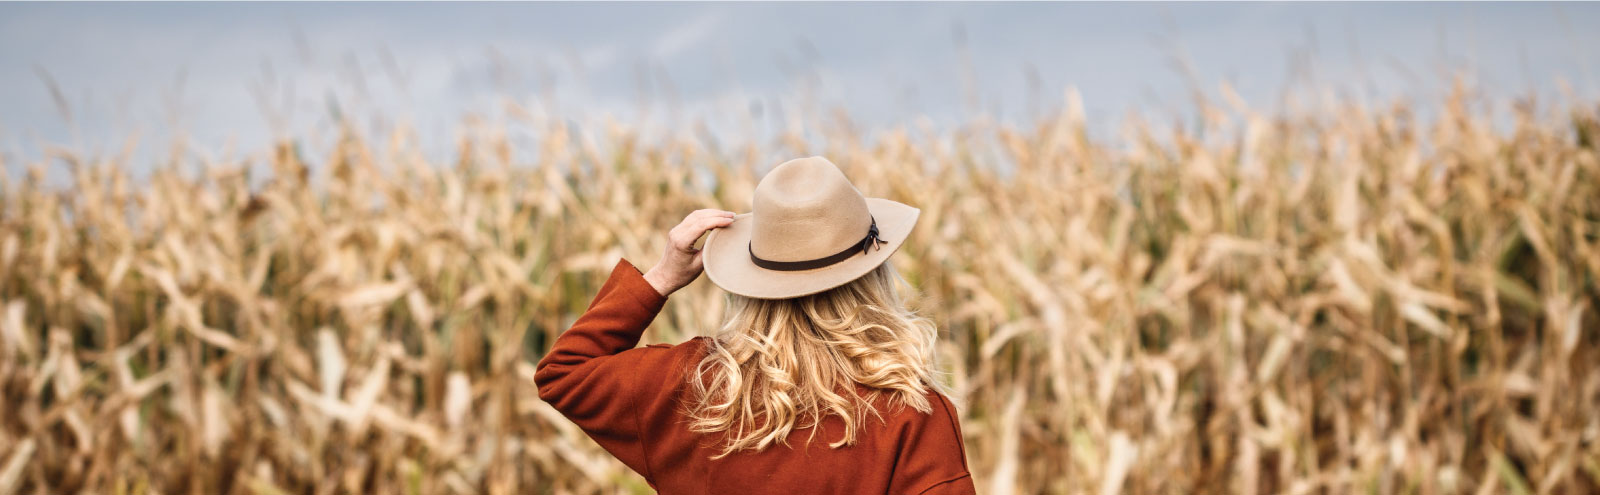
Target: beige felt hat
[810,230]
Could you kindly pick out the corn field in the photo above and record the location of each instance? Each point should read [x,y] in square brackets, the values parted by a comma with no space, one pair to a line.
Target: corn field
[1346,299]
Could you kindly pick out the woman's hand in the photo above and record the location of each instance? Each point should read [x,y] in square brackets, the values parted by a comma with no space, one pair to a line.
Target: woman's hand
[681,263]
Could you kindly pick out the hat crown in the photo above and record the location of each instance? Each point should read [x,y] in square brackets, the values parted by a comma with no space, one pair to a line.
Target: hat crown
[805,209]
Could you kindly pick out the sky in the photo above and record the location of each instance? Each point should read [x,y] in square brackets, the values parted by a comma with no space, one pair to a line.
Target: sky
[89,76]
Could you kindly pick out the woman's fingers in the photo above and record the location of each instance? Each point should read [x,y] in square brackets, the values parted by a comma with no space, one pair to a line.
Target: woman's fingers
[697,217]
[706,213]
[696,225]
[709,223]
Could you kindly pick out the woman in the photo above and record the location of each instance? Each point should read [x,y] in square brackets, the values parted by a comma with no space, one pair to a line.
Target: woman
[820,381]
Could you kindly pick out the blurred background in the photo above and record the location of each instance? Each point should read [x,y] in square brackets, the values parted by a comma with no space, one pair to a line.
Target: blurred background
[1174,247]
[91,74]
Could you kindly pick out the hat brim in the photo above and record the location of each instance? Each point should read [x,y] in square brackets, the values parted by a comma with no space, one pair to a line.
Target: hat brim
[727,257]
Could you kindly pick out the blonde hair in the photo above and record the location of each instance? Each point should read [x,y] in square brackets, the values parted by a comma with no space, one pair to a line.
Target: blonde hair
[786,364]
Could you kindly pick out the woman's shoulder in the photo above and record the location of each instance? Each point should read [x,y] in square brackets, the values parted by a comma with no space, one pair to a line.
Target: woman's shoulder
[932,448]
[686,349]
[941,411]
[665,367]
[940,423]
[676,360]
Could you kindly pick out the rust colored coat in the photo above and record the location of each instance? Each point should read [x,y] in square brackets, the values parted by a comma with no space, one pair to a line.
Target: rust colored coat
[630,401]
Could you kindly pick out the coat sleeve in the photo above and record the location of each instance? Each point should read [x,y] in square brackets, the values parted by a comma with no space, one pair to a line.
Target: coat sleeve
[592,374]
[933,459]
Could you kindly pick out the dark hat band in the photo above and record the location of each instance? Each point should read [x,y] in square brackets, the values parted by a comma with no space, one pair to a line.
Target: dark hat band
[866,245]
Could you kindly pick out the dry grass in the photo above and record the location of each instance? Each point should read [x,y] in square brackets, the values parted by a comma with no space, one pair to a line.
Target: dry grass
[1343,301]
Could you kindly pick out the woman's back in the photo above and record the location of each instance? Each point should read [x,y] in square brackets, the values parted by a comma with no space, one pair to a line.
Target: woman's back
[820,380]
[632,401]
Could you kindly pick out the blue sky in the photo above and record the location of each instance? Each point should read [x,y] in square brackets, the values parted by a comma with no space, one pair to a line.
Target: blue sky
[241,73]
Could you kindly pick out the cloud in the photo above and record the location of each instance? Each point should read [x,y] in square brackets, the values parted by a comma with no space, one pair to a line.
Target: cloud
[600,58]
[683,37]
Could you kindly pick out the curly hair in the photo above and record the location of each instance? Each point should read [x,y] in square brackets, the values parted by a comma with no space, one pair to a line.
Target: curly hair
[778,365]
